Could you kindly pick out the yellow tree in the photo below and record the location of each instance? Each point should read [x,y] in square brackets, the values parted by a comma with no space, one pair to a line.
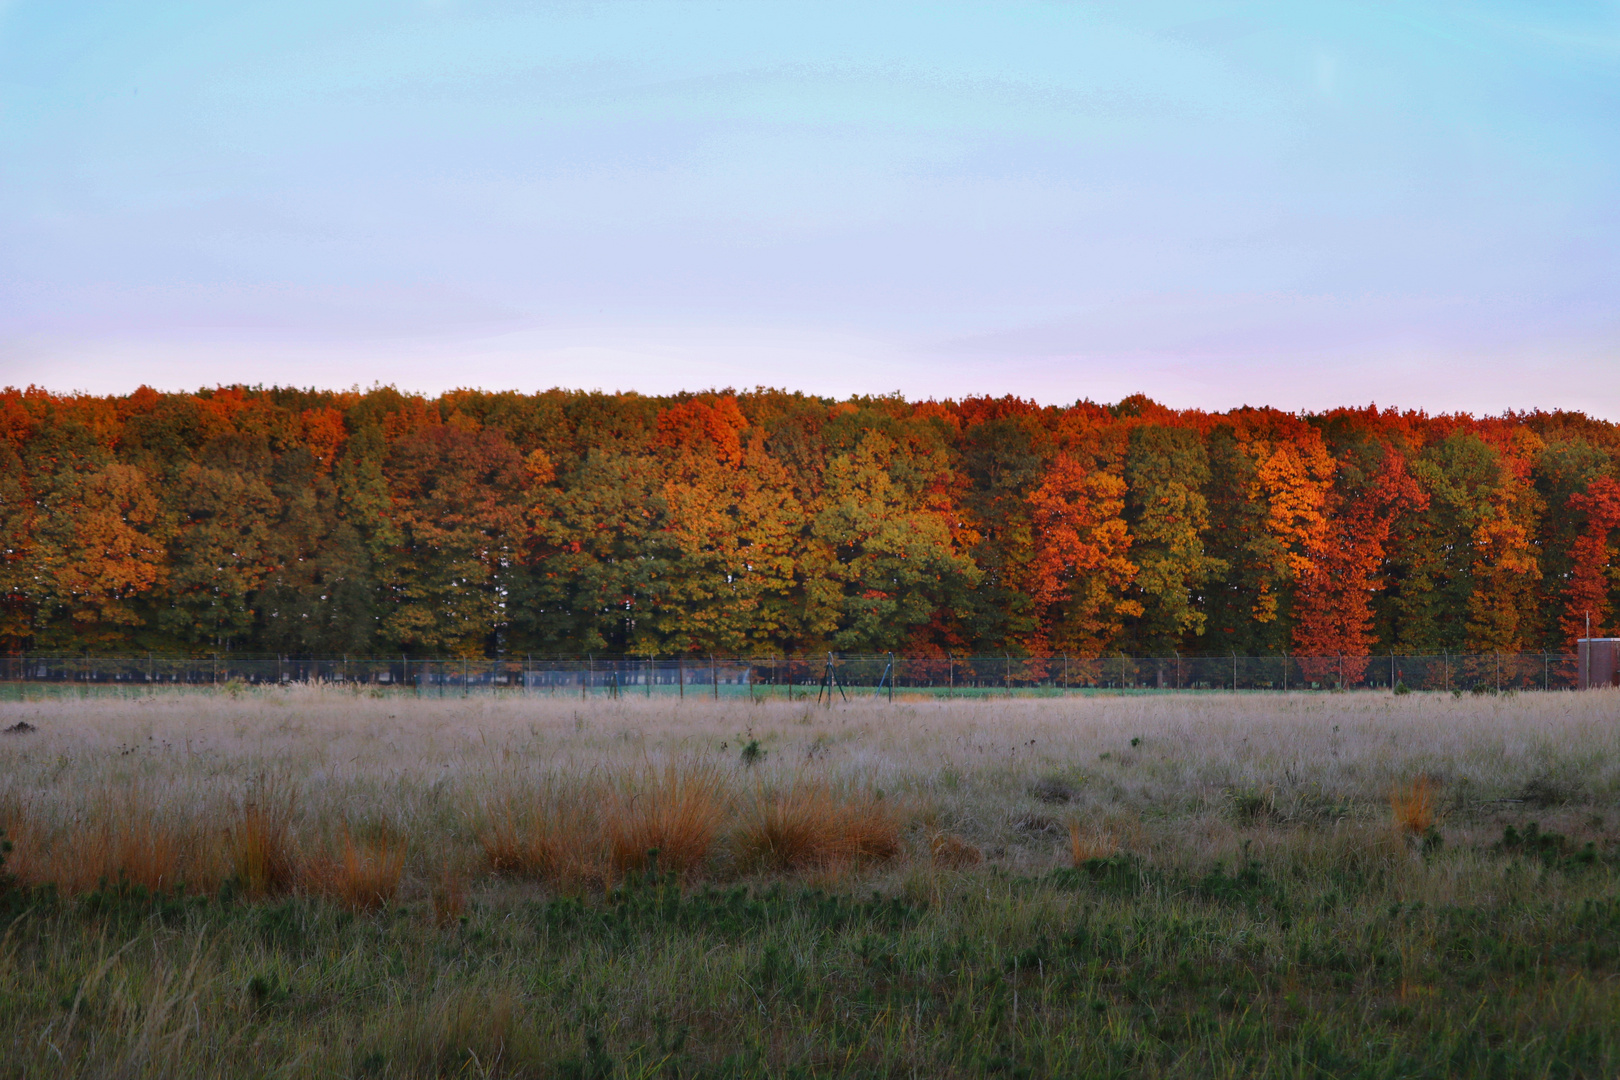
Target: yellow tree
[732,527]
[882,561]
[95,543]
[1295,478]
[1506,573]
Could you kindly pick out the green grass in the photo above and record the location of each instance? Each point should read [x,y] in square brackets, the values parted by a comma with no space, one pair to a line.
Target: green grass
[1310,964]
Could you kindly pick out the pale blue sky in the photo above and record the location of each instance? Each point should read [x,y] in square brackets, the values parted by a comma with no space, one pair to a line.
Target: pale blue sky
[1300,204]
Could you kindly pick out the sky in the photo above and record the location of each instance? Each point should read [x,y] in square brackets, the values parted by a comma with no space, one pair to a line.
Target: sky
[1300,205]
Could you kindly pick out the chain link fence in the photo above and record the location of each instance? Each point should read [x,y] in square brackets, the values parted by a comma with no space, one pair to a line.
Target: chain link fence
[796,677]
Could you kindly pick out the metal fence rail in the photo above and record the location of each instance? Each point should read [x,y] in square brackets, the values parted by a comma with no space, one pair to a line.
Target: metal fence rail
[803,676]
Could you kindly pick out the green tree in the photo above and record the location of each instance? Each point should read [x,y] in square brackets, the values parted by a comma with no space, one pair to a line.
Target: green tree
[1166,469]
[600,557]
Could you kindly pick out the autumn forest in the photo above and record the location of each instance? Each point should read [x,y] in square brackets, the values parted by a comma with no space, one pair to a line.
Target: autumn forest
[313,522]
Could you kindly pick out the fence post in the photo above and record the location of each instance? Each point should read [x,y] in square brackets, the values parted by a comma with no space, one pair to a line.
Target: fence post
[680,675]
[1065,673]
[714,674]
[1498,673]
[891,678]
[1009,674]
[1546,680]
[1392,670]
[1234,671]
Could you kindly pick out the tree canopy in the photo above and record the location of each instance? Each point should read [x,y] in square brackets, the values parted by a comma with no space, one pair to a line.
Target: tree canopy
[477,523]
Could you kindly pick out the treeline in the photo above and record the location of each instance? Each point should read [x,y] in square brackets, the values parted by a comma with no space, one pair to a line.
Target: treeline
[301,521]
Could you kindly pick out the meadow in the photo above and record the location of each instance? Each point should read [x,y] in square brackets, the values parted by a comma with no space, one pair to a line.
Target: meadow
[317,882]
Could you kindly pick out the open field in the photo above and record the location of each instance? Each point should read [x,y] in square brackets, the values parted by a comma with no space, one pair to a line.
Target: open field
[309,882]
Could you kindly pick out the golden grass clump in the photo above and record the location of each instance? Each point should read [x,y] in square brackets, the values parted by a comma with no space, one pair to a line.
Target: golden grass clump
[116,841]
[364,876]
[1087,844]
[449,896]
[550,834]
[676,811]
[1412,806]
[259,842]
[806,826]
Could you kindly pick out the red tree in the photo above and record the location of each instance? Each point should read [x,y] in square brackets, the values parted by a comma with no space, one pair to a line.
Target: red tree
[1333,598]
[1593,556]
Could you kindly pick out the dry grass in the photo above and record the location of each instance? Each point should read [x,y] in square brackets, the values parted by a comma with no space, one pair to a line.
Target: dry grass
[166,788]
[561,795]
[1086,844]
[1412,806]
[551,833]
[675,811]
[805,825]
[950,852]
[450,896]
[364,875]
[263,857]
[119,840]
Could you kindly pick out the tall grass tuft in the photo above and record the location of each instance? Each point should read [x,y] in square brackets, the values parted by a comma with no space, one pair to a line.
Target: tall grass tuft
[806,826]
[550,834]
[675,811]
[1087,844]
[259,842]
[450,896]
[365,875]
[120,840]
[1412,806]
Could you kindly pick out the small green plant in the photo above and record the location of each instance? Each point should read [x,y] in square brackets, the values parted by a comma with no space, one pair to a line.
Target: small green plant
[1120,874]
[263,990]
[1250,887]
[1402,689]
[1551,849]
[753,753]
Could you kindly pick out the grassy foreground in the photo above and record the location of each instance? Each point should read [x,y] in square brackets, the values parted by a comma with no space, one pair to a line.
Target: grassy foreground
[1330,886]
